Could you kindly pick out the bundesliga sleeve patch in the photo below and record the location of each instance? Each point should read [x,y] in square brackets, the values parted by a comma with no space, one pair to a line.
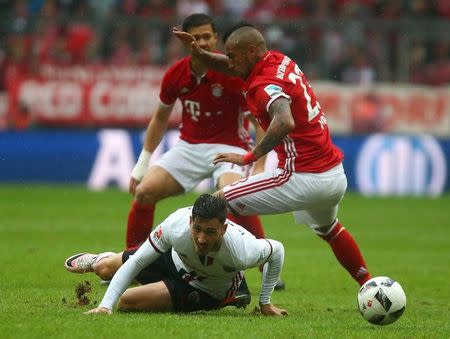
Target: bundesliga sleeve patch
[273,90]
[156,239]
[157,234]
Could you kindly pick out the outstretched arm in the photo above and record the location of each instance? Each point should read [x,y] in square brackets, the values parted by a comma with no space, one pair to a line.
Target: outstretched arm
[271,274]
[153,135]
[281,125]
[216,61]
[124,276]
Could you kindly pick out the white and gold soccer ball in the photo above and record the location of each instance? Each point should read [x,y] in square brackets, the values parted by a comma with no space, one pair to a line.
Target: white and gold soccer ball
[381,300]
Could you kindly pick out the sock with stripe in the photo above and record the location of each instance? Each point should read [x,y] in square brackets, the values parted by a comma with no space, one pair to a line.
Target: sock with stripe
[347,252]
[140,223]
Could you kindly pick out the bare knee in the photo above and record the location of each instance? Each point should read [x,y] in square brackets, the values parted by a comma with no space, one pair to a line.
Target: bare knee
[144,196]
[125,304]
[105,269]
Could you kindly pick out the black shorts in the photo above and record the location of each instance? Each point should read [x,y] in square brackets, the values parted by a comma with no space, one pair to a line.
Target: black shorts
[185,298]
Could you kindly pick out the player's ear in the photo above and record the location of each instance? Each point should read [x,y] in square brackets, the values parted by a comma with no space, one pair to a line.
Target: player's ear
[225,225]
[252,50]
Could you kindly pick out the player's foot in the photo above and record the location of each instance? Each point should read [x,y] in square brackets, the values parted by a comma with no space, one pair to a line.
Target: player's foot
[242,297]
[241,300]
[280,285]
[80,263]
[84,262]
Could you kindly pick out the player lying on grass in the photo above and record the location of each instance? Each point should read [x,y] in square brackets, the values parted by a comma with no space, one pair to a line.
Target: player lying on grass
[194,260]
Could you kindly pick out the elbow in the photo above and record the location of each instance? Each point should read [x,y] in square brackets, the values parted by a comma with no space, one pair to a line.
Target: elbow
[290,125]
[278,249]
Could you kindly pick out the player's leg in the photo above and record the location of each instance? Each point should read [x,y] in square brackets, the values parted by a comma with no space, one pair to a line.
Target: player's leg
[346,250]
[264,193]
[156,185]
[256,200]
[88,262]
[153,297]
[340,240]
[321,216]
[107,267]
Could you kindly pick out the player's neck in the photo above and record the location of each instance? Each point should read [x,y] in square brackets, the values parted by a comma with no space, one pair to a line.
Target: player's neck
[198,68]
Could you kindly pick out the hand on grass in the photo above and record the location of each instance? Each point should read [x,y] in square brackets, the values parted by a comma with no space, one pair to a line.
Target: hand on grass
[99,310]
[270,309]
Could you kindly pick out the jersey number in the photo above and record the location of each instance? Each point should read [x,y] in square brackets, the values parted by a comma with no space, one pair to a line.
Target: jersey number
[312,110]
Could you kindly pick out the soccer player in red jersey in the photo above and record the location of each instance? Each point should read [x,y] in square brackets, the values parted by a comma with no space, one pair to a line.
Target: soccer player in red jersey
[213,121]
[310,179]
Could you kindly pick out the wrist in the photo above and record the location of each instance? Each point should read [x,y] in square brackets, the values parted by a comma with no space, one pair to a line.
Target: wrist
[141,165]
[249,157]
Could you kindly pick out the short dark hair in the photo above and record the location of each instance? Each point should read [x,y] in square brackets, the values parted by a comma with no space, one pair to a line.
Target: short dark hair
[208,206]
[235,28]
[198,19]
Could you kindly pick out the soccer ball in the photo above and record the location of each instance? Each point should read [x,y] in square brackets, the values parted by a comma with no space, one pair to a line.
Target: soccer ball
[381,300]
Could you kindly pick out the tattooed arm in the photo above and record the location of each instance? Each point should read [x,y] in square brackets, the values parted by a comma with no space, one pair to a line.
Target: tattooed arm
[281,125]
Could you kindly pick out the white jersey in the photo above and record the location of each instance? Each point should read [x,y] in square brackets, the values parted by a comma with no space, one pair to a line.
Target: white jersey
[218,273]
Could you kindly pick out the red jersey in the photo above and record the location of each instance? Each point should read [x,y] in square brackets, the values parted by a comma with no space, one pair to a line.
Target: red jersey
[308,147]
[213,106]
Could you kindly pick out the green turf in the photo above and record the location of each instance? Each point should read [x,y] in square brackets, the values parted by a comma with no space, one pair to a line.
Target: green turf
[407,239]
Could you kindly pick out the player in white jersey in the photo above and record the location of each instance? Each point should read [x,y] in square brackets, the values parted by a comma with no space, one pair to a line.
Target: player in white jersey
[194,260]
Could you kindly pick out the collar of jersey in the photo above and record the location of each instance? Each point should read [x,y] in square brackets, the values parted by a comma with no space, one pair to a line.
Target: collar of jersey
[207,76]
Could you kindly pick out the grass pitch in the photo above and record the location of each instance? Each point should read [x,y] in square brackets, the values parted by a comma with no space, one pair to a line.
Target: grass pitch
[407,239]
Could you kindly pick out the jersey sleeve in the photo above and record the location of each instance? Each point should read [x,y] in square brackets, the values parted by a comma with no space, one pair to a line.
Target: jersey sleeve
[162,237]
[249,251]
[168,93]
[254,252]
[267,92]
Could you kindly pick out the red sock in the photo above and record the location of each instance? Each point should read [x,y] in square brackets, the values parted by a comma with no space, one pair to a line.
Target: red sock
[347,253]
[140,223]
[250,222]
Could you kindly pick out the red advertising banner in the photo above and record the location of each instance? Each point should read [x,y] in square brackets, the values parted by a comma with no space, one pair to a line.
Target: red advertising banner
[385,108]
[89,96]
[99,96]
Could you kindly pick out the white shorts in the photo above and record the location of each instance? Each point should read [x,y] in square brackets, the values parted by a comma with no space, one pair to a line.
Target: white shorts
[189,163]
[312,197]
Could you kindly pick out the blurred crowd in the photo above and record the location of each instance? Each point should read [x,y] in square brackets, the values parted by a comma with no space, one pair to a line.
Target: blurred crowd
[331,39]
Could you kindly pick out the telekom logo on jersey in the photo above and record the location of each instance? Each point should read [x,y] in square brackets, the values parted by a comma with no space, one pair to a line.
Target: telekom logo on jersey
[401,165]
[193,108]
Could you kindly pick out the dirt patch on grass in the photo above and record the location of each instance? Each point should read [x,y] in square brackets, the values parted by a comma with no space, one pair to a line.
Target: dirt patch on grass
[82,291]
